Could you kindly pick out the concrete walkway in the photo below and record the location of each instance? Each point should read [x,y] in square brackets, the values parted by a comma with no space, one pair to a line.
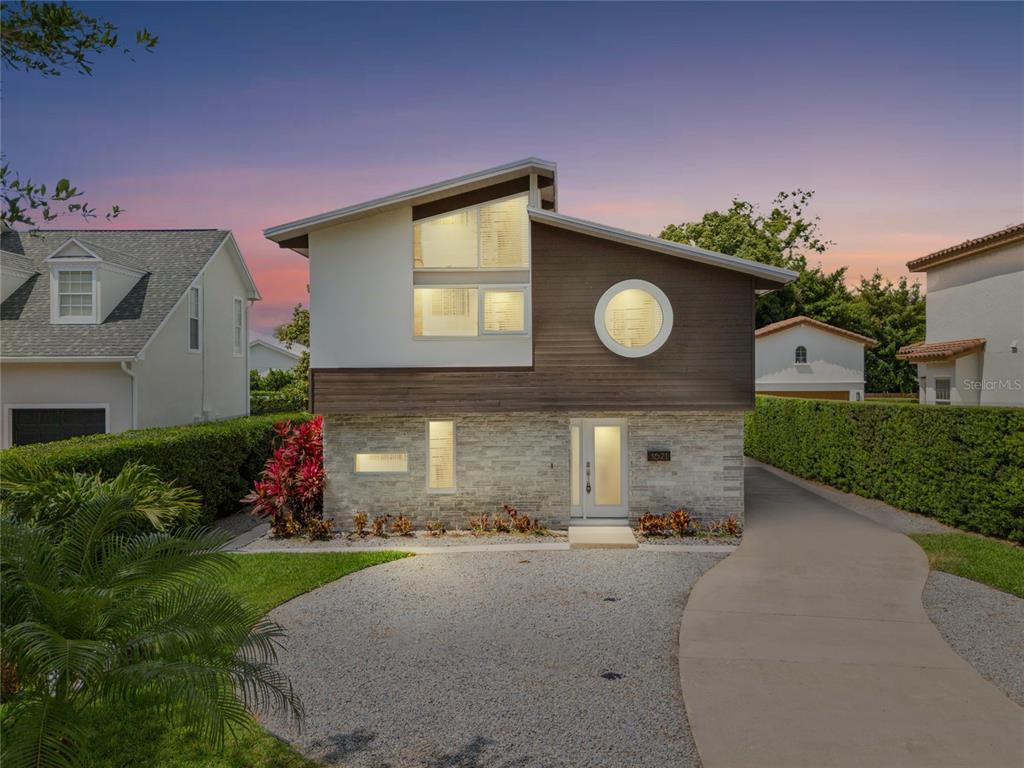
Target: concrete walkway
[809,646]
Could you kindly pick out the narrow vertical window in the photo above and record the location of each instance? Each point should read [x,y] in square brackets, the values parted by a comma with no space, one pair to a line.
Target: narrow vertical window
[441,455]
[801,355]
[194,309]
[239,323]
[942,391]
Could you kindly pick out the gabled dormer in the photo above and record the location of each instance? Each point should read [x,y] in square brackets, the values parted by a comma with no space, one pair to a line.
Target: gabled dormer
[88,281]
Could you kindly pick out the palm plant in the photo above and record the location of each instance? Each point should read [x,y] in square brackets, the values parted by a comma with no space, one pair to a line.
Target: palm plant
[108,614]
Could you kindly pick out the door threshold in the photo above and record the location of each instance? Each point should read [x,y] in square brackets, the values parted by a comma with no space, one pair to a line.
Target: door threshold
[605,521]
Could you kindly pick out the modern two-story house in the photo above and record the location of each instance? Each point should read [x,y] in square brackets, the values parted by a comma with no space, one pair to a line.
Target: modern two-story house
[473,347]
[972,352]
[804,357]
[108,330]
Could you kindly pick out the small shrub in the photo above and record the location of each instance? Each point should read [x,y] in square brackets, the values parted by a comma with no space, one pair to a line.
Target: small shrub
[436,527]
[359,521]
[481,524]
[713,528]
[679,519]
[654,525]
[320,530]
[731,526]
[380,525]
[521,523]
[402,526]
[501,523]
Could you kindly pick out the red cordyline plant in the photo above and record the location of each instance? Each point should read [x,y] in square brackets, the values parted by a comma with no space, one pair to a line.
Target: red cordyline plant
[291,487]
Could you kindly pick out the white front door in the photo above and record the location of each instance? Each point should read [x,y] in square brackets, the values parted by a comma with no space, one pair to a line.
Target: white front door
[598,465]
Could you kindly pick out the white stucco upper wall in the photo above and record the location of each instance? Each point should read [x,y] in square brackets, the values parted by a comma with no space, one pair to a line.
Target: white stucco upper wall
[831,359]
[361,303]
[263,358]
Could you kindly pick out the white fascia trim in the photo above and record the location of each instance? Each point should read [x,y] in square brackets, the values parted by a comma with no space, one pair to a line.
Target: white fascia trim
[80,244]
[560,220]
[282,349]
[292,228]
[39,359]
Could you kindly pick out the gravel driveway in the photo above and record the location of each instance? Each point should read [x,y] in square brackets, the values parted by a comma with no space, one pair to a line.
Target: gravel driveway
[496,660]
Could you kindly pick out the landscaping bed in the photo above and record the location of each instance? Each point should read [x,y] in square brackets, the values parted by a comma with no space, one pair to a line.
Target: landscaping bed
[398,541]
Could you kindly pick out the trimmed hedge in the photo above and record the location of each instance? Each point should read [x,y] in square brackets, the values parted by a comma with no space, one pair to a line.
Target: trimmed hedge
[262,401]
[219,459]
[962,466]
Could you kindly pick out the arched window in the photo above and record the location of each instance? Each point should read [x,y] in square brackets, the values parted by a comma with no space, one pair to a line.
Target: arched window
[801,354]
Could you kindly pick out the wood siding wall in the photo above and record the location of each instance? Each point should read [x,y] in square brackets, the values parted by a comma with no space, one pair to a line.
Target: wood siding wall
[706,363]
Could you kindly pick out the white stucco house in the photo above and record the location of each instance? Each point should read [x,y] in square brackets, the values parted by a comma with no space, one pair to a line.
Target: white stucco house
[267,353]
[972,354]
[802,357]
[108,330]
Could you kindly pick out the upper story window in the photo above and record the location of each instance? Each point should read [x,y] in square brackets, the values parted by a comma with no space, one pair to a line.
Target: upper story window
[633,318]
[492,235]
[470,310]
[239,325]
[194,319]
[76,296]
[801,355]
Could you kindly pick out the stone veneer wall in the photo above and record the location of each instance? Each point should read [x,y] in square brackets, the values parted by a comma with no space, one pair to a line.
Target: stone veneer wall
[523,459]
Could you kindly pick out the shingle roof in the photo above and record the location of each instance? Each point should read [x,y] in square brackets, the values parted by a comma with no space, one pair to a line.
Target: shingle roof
[17,261]
[170,259]
[792,322]
[938,351]
[968,248]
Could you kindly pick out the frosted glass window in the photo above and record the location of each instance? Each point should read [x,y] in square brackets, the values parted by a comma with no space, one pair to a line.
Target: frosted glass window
[382,463]
[447,242]
[441,455]
[445,312]
[504,311]
[574,469]
[74,289]
[607,465]
[505,234]
[633,317]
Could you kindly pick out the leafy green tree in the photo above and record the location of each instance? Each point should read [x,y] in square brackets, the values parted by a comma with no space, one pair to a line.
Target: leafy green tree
[102,614]
[50,39]
[296,331]
[788,237]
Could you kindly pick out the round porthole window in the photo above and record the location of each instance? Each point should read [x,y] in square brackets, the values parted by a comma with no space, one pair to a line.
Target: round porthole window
[633,318]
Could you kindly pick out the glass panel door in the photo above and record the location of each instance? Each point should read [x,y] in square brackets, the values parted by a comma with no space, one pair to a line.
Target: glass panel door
[598,467]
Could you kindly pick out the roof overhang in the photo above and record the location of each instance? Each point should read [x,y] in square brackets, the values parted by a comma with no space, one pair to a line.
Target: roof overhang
[939,351]
[294,234]
[774,277]
[59,359]
[794,322]
[276,348]
[968,248]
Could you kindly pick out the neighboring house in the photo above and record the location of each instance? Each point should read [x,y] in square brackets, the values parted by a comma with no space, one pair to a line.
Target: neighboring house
[801,357]
[471,347]
[267,353]
[972,354]
[107,330]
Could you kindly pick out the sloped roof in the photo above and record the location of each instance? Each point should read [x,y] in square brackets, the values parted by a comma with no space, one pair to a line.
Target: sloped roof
[735,263]
[295,350]
[169,260]
[939,351]
[968,248]
[793,322]
[18,262]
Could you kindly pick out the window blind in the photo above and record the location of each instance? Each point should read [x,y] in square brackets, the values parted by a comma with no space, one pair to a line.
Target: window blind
[441,455]
[633,317]
[504,311]
[445,311]
[505,234]
[446,242]
[382,462]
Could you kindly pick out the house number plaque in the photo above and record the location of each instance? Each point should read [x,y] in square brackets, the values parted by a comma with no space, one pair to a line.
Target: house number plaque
[659,455]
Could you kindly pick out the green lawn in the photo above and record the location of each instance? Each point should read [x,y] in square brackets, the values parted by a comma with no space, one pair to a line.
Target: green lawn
[124,738]
[989,561]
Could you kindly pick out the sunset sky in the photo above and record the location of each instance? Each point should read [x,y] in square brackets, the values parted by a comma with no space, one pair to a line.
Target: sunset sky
[907,120]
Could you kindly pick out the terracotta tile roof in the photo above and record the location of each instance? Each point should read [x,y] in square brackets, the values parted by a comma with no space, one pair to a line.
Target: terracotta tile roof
[804,320]
[938,351]
[968,248]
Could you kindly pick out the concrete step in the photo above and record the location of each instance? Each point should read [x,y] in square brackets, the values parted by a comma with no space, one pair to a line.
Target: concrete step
[601,537]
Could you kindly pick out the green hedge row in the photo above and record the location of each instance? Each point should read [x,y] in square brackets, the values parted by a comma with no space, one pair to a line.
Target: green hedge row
[219,459]
[962,466]
[278,400]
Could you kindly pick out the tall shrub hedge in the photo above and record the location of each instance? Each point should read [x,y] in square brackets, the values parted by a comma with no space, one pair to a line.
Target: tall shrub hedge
[219,459]
[962,466]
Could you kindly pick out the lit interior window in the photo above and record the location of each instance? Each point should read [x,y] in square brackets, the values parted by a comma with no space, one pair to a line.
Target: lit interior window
[382,462]
[445,311]
[447,242]
[504,311]
[633,317]
[505,234]
[441,455]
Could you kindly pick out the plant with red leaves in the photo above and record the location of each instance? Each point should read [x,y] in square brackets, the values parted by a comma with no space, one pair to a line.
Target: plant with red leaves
[290,489]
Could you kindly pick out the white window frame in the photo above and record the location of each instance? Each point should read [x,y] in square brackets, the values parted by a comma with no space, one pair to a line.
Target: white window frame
[480,289]
[455,465]
[667,318]
[796,355]
[479,267]
[55,315]
[949,383]
[238,324]
[188,318]
[388,473]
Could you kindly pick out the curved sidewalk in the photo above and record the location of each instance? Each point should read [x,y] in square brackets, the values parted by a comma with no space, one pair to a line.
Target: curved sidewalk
[809,646]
